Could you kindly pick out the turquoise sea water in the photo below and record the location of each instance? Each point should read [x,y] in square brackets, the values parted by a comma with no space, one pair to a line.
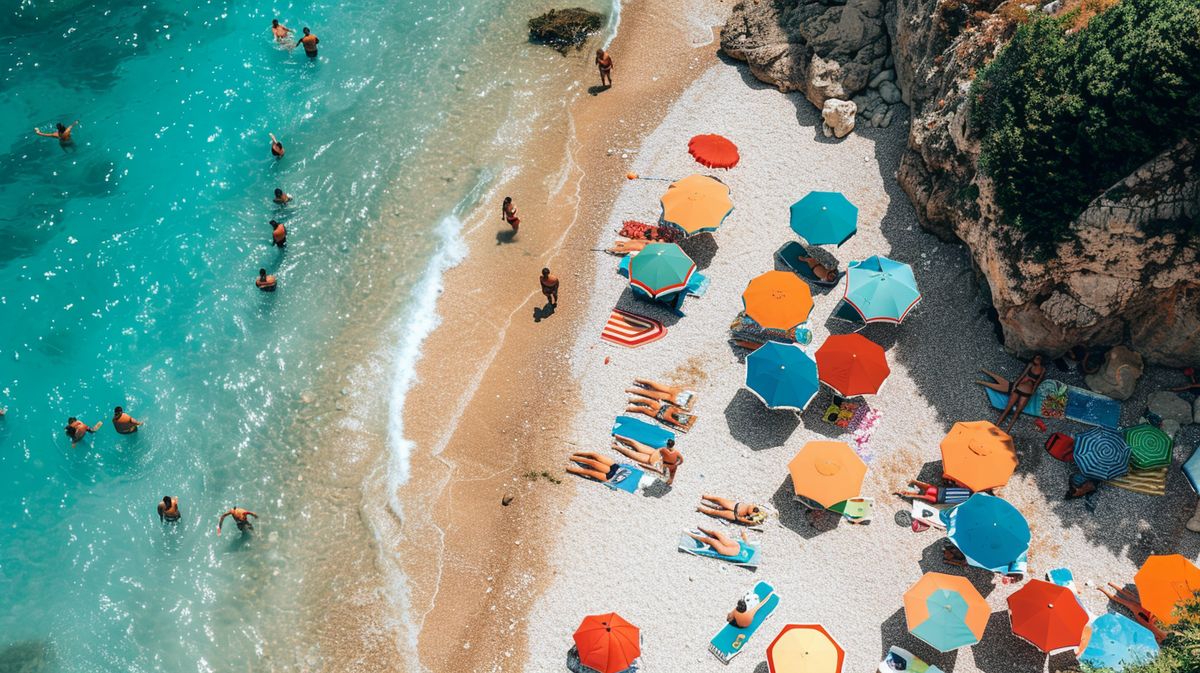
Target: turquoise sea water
[126,278]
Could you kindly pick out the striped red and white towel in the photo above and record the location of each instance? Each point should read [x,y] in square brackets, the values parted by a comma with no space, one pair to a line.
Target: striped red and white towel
[631,330]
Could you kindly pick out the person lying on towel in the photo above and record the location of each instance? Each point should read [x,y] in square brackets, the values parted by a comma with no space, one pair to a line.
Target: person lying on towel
[723,544]
[593,466]
[663,393]
[949,495]
[667,414]
[664,461]
[745,513]
[742,616]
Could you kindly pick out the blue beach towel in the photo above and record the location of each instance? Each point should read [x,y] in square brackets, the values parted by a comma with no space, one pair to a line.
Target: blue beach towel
[697,285]
[747,558]
[1092,408]
[730,639]
[626,479]
[642,431]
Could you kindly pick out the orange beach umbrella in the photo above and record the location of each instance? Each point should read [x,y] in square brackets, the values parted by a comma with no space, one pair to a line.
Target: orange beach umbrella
[696,204]
[945,611]
[607,643]
[827,472]
[805,648]
[978,455]
[1165,581]
[852,365]
[713,151]
[1047,615]
[777,300]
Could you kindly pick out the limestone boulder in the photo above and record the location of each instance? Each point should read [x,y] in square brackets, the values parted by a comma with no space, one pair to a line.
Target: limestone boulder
[838,116]
[1170,407]
[1119,375]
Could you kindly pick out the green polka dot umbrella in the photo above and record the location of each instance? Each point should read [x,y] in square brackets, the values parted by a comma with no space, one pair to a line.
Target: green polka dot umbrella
[1149,447]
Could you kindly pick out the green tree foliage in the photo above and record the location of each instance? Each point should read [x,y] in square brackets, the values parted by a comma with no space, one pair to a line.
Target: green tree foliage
[1064,116]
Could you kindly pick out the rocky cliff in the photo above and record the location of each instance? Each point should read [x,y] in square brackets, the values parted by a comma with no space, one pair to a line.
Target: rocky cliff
[1122,279]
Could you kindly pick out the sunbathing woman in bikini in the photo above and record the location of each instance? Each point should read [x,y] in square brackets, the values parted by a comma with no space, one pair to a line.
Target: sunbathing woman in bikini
[826,274]
[657,391]
[720,542]
[742,616]
[1019,391]
[919,490]
[640,453]
[668,414]
[625,247]
[508,212]
[738,512]
[595,466]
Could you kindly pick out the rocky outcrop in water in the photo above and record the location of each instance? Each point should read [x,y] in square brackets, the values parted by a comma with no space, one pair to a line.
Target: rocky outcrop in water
[565,28]
[1122,279]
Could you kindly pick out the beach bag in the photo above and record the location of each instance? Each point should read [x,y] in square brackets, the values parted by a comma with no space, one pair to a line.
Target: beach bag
[1061,447]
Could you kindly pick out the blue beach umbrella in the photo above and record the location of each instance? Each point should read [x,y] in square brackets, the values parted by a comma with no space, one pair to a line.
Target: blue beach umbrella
[1114,641]
[1191,469]
[989,531]
[824,218]
[881,289]
[1101,454]
[783,376]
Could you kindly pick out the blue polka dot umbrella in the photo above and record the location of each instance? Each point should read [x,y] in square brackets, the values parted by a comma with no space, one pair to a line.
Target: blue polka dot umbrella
[1101,454]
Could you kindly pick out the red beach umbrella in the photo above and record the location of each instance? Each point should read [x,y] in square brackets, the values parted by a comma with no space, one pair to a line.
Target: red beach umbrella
[852,365]
[607,643]
[714,151]
[1047,615]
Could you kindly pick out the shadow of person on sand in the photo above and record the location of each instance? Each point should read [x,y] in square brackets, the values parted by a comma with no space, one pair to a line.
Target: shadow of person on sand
[503,237]
[540,313]
[598,89]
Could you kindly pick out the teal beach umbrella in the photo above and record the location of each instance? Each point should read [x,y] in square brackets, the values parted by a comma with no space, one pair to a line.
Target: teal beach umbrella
[783,376]
[824,218]
[660,269]
[881,289]
[989,531]
[1112,641]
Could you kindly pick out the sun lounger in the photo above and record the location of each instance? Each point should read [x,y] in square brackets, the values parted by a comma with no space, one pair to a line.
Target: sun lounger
[628,478]
[747,559]
[899,659]
[790,255]
[641,431]
[730,639]
[856,510]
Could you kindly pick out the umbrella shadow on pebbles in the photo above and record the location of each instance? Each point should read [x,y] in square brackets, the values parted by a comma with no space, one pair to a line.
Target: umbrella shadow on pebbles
[932,561]
[894,631]
[755,426]
[702,248]
[643,306]
[1000,651]
[798,518]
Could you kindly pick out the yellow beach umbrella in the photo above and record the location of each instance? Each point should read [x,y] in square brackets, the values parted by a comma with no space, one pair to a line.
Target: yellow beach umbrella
[805,648]
[696,204]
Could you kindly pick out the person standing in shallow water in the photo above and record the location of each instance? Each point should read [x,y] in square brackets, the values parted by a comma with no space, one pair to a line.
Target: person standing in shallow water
[124,423]
[508,212]
[281,198]
[276,147]
[77,429]
[265,282]
[605,63]
[278,234]
[309,42]
[549,287]
[168,509]
[280,31]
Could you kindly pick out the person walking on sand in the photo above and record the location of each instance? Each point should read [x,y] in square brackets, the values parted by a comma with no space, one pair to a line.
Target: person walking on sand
[549,287]
[265,282]
[63,133]
[168,509]
[241,517]
[281,198]
[508,213]
[124,423]
[77,429]
[280,31]
[605,63]
[309,42]
[278,234]
[276,147]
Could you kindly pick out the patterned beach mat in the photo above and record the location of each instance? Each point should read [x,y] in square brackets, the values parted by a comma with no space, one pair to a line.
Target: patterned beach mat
[631,330]
[1148,482]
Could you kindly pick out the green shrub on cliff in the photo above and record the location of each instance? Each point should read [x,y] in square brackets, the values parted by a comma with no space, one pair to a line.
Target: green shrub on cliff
[1064,116]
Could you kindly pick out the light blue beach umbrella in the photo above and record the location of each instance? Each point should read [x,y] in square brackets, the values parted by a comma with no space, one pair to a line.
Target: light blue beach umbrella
[1191,469]
[824,218]
[661,269]
[783,376]
[881,289]
[1115,641]
[1101,454]
[989,531]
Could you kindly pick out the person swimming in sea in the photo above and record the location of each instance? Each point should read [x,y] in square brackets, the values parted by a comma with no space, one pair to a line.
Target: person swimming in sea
[168,509]
[124,423]
[240,517]
[280,31]
[281,198]
[508,213]
[63,133]
[265,282]
[278,234]
[77,429]
[604,63]
[309,42]
[276,147]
